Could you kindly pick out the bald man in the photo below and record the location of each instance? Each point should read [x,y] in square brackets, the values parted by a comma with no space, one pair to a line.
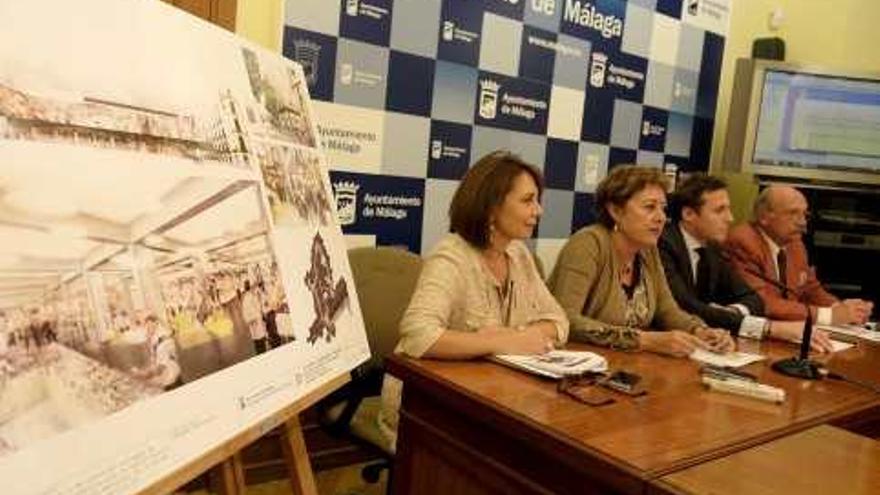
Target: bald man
[770,247]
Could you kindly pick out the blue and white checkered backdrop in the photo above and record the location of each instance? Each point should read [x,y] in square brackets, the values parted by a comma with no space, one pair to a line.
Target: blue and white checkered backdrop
[409,92]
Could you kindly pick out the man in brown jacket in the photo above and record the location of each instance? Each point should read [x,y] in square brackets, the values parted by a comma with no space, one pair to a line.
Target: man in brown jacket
[770,248]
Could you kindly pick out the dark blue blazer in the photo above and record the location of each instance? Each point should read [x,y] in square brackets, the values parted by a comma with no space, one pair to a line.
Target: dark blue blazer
[725,285]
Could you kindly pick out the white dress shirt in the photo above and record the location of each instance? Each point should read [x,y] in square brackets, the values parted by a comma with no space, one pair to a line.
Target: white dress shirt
[823,314]
[752,327]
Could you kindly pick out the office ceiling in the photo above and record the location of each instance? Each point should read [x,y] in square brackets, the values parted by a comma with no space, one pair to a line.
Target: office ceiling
[64,208]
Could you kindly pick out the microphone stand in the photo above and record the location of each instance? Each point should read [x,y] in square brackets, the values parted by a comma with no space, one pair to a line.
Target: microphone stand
[798,366]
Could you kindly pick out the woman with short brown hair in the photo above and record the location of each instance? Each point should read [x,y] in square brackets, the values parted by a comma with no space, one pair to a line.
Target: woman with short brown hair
[479,292]
[609,278]
[483,189]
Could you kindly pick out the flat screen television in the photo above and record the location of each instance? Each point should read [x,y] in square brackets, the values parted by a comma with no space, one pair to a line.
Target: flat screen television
[800,123]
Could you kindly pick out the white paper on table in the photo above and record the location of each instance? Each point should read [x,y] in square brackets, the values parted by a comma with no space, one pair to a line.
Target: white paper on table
[868,332]
[732,359]
[555,364]
[837,346]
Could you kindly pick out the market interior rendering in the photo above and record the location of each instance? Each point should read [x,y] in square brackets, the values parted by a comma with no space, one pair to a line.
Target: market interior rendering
[134,257]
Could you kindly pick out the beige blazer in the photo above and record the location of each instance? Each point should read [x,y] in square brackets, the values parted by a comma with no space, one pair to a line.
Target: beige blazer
[456,291]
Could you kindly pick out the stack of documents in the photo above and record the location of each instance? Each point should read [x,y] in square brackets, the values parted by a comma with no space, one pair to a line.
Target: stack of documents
[730,359]
[867,331]
[555,364]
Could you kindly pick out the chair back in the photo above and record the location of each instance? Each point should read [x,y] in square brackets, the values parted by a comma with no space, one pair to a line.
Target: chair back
[385,279]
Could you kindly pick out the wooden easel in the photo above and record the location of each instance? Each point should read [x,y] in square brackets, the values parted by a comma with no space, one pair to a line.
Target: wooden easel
[225,460]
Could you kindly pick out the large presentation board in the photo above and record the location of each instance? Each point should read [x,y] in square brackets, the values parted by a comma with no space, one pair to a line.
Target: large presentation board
[172,272]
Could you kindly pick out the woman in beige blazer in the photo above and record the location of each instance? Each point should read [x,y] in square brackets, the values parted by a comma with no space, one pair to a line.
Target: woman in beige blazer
[479,292]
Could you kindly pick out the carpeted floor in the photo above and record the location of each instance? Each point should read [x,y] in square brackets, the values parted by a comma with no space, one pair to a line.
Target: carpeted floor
[341,481]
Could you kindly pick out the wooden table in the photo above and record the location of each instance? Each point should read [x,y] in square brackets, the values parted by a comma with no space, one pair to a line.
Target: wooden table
[478,427]
[819,461]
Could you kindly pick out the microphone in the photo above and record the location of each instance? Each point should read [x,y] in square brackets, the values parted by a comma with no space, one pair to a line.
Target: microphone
[798,366]
[747,267]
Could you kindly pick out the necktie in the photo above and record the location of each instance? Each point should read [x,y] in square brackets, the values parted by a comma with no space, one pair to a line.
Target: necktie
[780,263]
[702,275]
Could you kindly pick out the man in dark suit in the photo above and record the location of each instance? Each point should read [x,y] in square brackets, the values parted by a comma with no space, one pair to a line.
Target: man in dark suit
[700,277]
